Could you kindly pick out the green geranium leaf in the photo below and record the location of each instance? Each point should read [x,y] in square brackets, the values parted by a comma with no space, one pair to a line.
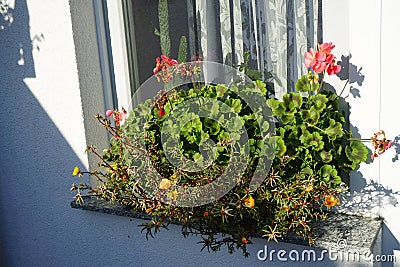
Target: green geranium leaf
[220,89]
[235,124]
[291,102]
[319,101]
[329,173]
[212,125]
[280,146]
[192,126]
[276,107]
[334,130]
[312,140]
[307,171]
[356,152]
[273,103]
[326,156]
[223,136]
[303,85]
[287,118]
[311,115]
[235,104]
[261,85]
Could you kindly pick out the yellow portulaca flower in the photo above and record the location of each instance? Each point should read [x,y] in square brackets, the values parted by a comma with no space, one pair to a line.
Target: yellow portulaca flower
[76,171]
[174,177]
[114,166]
[172,194]
[331,201]
[249,202]
[309,188]
[165,184]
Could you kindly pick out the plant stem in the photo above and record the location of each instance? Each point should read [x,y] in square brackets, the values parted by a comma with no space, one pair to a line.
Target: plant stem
[322,81]
[344,87]
[359,139]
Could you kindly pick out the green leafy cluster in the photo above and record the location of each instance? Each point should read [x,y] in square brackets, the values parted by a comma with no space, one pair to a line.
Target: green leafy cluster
[312,134]
[311,150]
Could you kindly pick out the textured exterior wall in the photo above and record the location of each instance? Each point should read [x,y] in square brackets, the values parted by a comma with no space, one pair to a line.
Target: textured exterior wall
[48,99]
[366,30]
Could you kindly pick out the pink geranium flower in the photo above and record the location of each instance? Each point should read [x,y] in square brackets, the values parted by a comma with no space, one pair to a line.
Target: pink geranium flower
[109,112]
[164,63]
[309,58]
[321,60]
[158,66]
[326,47]
[118,116]
[333,69]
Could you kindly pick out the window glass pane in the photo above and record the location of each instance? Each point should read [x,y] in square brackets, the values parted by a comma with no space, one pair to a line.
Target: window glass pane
[274,33]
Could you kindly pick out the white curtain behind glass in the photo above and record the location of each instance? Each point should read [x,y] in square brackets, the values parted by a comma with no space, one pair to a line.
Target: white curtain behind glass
[276,32]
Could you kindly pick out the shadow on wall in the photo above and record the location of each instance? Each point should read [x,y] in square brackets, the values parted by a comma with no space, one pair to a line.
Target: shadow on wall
[35,162]
[396,146]
[364,198]
[389,244]
[351,74]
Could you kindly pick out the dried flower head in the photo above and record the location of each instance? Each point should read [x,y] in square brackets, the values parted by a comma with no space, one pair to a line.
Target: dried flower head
[380,144]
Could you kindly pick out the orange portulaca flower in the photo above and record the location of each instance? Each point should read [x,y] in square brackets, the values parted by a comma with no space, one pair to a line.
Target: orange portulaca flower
[331,201]
[249,202]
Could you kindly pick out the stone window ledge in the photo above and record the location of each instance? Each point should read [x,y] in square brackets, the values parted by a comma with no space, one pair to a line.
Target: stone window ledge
[357,233]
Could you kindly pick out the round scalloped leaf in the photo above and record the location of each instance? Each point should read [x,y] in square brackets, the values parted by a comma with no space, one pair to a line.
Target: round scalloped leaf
[319,101]
[287,118]
[326,156]
[291,102]
[356,152]
[312,140]
[303,85]
[276,106]
[212,125]
[235,104]
[311,116]
[220,89]
[307,171]
[260,85]
[280,146]
[329,173]
[334,130]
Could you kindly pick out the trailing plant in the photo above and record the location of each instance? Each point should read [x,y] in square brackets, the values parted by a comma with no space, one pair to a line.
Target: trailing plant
[158,165]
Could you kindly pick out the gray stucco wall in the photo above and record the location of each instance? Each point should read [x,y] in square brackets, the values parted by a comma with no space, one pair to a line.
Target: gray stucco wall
[37,225]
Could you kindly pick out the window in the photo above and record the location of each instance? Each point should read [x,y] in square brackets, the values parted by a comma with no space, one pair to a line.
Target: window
[275,33]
